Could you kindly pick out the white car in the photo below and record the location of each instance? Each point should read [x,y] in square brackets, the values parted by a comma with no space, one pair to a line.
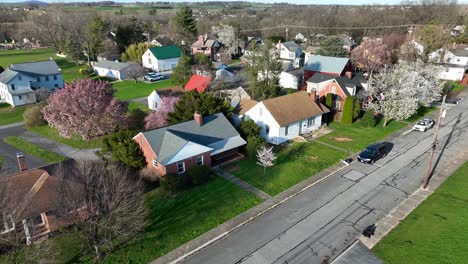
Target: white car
[424,124]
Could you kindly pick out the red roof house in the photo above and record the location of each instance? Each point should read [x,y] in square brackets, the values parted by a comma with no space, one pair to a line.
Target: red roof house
[198,82]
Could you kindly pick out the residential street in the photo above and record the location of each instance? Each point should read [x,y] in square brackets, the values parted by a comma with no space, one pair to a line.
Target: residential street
[322,220]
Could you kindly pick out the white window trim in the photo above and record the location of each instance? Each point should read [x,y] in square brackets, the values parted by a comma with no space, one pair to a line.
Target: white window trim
[155,163]
[183,167]
[5,224]
[202,160]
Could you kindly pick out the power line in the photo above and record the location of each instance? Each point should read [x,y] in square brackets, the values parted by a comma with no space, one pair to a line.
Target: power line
[330,28]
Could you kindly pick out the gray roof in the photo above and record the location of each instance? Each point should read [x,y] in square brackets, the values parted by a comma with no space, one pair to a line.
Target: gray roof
[7,76]
[37,68]
[112,65]
[167,141]
[348,41]
[291,46]
[357,253]
[459,52]
[320,77]
[343,81]
[325,64]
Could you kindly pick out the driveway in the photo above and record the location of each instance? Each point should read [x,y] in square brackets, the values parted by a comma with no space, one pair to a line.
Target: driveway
[325,218]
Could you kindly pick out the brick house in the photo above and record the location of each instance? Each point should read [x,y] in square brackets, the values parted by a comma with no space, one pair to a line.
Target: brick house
[205,140]
[207,44]
[327,65]
[340,86]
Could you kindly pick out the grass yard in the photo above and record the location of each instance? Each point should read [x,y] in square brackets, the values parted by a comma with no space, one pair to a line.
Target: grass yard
[173,221]
[126,90]
[34,150]
[295,163]
[436,231]
[135,105]
[355,137]
[76,142]
[1,161]
[10,115]
[422,112]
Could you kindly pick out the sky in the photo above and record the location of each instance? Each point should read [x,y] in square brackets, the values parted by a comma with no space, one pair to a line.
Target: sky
[323,2]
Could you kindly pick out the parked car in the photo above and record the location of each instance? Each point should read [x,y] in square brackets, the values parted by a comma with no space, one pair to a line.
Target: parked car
[153,76]
[373,152]
[453,100]
[424,124]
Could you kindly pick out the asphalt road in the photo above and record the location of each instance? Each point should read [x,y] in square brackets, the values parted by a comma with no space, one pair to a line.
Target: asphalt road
[322,220]
[10,164]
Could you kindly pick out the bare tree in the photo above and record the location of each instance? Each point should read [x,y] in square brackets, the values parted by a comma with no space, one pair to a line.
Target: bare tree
[104,202]
[136,72]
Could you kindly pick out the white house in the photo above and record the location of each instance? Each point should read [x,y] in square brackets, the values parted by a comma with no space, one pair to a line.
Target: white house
[290,51]
[154,99]
[18,82]
[455,62]
[163,58]
[291,79]
[300,37]
[286,117]
[114,69]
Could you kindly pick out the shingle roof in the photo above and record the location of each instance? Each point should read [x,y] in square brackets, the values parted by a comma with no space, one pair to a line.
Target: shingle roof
[198,82]
[291,46]
[167,141]
[343,81]
[293,107]
[7,76]
[459,52]
[166,52]
[321,77]
[245,105]
[326,64]
[112,65]
[37,68]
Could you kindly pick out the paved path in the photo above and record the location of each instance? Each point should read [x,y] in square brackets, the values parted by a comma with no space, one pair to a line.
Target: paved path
[325,217]
[244,185]
[18,124]
[62,149]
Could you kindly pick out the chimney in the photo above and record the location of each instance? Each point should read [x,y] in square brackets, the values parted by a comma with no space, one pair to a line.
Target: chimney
[21,161]
[198,118]
[313,95]
[349,75]
[202,39]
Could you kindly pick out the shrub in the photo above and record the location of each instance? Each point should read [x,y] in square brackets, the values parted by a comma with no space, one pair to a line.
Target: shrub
[200,174]
[248,128]
[33,116]
[368,120]
[149,175]
[136,119]
[357,109]
[452,86]
[174,183]
[86,71]
[253,144]
[347,116]
[329,100]
[122,148]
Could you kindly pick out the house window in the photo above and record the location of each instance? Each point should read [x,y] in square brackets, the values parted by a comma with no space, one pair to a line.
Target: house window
[155,163]
[180,167]
[267,129]
[291,54]
[200,160]
[38,79]
[149,61]
[286,130]
[56,85]
[38,220]
[47,78]
[338,105]
[55,77]
[13,87]
[260,111]
[7,225]
[19,97]
[333,89]
[310,121]
[19,78]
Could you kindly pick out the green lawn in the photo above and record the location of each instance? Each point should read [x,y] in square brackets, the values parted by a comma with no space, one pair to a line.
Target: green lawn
[34,150]
[1,161]
[436,231]
[422,112]
[126,90]
[134,105]
[295,163]
[10,115]
[355,137]
[76,142]
[173,221]
[454,86]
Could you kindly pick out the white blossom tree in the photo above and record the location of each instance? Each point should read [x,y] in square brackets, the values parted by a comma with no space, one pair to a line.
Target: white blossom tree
[397,93]
[227,35]
[265,156]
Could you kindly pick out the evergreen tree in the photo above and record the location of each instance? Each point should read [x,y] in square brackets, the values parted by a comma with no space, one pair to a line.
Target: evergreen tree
[329,101]
[122,148]
[130,33]
[333,47]
[347,116]
[203,103]
[182,71]
[357,109]
[185,22]
[73,49]
[134,52]
[1,69]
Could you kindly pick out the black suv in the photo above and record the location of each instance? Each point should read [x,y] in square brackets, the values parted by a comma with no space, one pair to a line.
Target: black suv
[373,152]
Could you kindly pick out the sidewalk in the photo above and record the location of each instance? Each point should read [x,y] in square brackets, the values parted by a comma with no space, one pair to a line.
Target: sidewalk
[17,124]
[61,149]
[244,185]
[237,222]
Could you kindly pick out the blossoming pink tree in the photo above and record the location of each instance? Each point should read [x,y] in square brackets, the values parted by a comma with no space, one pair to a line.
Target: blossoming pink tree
[158,118]
[86,108]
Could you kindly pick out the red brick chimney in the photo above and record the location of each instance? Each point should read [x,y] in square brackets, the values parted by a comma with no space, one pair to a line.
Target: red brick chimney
[198,118]
[313,95]
[349,75]
[202,39]
[21,161]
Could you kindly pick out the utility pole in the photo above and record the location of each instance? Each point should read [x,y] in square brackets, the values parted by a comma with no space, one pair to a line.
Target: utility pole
[286,34]
[434,145]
